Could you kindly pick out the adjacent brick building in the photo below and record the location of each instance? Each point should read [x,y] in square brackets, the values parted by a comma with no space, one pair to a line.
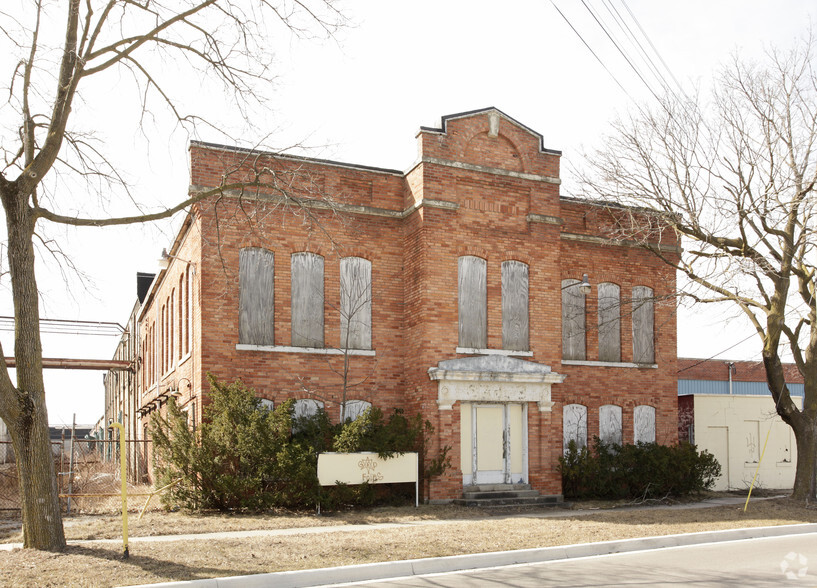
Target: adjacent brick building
[451,289]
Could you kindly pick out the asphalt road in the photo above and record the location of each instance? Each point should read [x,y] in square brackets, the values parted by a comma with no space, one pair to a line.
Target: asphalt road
[775,561]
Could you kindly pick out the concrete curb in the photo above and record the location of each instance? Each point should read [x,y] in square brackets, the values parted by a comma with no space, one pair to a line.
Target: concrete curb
[416,567]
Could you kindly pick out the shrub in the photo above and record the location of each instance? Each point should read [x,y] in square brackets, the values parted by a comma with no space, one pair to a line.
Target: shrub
[247,457]
[643,470]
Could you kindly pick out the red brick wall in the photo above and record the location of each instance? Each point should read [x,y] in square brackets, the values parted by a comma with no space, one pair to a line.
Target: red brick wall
[495,182]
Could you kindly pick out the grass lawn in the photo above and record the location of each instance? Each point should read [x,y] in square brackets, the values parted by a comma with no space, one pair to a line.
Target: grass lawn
[454,531]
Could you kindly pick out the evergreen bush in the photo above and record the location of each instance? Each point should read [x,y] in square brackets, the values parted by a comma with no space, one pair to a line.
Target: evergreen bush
[247,457]
[635,471]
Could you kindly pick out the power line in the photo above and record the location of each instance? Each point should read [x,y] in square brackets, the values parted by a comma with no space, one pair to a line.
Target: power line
[591,50]
[717,354]
[620,50]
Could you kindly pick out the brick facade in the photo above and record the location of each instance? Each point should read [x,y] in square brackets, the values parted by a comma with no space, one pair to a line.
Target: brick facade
[483,186]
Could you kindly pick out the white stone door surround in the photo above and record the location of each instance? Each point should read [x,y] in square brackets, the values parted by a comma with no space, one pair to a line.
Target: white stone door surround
[491,380]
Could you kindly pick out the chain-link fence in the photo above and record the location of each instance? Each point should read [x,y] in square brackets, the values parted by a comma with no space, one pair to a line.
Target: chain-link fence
[88,473]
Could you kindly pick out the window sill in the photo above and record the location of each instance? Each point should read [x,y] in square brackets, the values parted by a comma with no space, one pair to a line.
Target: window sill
[507,352]
[617,364]
[183,359]
[312,350]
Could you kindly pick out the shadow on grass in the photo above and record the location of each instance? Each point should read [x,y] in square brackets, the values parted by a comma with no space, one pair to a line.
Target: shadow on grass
[158,569]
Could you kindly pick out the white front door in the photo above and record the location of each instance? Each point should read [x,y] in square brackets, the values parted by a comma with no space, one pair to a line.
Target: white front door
[494,443]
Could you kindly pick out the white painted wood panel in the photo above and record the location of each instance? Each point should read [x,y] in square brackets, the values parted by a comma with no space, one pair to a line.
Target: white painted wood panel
[256,296]
[307,300]
[473,298]
[643,325]
[610,424]
[515,320]
[355,303]
[644,424]
[573,321]
[609,322]
[574,425]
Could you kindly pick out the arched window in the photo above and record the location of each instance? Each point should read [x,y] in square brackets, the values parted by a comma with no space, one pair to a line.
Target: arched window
[574,425]
[180,314]
[610,424]
[352,409]
[644,424]
[188,320]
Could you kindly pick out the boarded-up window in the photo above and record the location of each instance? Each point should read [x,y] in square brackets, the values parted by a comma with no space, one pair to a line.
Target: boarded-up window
[189,307]
[180,316]
[610,424]
[352,409]
[574,425]
[644,424]
[609,322]
[355,303]
[306,407]
[307,300]
[643,324]
[256,296]
[515,306]
[573,331]
[473,300]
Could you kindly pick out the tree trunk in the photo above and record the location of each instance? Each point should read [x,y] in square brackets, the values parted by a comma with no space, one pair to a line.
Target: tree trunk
[42,519]
[805,434]
[23,407]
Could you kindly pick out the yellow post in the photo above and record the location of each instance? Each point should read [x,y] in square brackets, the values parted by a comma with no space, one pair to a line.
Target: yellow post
[124,475]
[757,469]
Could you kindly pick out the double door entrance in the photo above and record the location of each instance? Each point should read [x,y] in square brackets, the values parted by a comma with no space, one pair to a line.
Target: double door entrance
[494,443]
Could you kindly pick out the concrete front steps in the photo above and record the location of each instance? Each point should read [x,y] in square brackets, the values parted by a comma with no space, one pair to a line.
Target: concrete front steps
[505,495]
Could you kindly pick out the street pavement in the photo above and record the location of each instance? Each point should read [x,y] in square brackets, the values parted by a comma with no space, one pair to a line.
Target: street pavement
[759,562]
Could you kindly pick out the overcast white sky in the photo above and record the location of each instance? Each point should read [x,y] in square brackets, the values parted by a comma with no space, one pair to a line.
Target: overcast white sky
[362,100]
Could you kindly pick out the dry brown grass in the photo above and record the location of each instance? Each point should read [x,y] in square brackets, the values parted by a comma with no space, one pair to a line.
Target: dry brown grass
[91,564]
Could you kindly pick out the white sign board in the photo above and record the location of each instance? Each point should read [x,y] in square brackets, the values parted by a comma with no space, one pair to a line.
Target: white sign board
[366,467]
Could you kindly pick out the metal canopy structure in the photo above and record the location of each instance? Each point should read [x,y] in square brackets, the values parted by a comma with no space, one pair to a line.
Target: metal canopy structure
[74,327]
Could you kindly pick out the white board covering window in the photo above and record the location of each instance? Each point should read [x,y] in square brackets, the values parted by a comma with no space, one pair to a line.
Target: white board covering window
[306,407]
[609,322]
[643,325]
[307,300]
[573,325]
[644,424]
[355,303]
[256,296]
[515,321]
[574,425]
[610,424]
[352,409]
[473,302]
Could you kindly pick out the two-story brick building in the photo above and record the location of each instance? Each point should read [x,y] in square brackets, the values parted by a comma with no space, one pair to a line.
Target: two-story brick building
[452,289]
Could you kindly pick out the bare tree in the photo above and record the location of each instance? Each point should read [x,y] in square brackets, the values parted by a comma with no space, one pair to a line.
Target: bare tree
[61,49]
[734,176]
